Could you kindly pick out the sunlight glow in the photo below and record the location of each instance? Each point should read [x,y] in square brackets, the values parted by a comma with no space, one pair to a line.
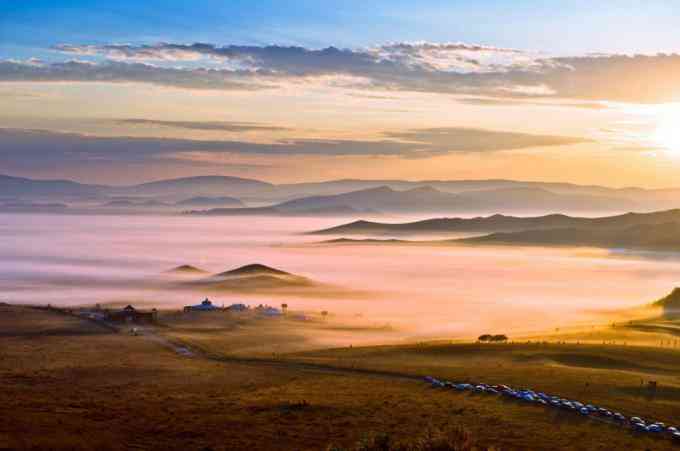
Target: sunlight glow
[667,132]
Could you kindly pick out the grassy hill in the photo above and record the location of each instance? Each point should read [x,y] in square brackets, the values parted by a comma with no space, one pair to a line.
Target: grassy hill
[670,303]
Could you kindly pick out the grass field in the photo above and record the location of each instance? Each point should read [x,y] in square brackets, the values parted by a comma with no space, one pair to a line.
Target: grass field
[69,384]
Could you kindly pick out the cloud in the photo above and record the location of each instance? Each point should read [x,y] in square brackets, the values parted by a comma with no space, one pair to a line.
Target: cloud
[203,125]
[454,68]
[461,139]
[301,61]
[40,147]
[111,71]
[166,52]
[499,101]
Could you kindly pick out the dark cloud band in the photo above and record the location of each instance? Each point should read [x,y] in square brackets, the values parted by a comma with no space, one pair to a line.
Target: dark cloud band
[423,67]
[20,145]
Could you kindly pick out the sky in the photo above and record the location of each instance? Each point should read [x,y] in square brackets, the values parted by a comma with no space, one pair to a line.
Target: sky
[127,92]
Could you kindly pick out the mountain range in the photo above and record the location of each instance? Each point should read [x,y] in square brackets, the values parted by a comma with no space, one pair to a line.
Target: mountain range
[659,231]
[426,199]
[389,196]
[660,237]
[500,223]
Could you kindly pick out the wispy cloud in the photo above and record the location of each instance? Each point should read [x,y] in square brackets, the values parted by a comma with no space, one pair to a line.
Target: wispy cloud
[41,146]
[499,101]
[203,125]
[111,71]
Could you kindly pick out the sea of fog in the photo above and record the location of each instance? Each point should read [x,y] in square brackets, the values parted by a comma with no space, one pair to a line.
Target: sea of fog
[424,292]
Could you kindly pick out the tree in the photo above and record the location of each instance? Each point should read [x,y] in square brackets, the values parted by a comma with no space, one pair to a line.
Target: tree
[284,308]
[499,338]
[324,314]
[485,337]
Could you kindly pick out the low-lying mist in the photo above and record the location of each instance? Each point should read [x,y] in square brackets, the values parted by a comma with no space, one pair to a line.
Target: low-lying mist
[420,292]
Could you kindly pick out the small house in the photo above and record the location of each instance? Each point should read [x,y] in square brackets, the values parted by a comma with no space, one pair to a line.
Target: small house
[131,315]
[237,308]
[205,306]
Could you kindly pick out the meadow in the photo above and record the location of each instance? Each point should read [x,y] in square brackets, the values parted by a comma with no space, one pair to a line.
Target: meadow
[70,384]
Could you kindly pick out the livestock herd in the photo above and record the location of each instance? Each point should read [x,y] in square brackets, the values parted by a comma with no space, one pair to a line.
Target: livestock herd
[529,396]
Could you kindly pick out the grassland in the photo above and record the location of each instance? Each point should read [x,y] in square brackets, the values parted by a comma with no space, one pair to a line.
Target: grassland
[70,384]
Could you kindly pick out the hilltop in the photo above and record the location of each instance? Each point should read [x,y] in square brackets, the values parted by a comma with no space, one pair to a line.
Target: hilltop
[222,201]
[428,199]
[185,269]
[253,269]
[501,223]
[389,196]
[255,276]
[661,237]
[670,303]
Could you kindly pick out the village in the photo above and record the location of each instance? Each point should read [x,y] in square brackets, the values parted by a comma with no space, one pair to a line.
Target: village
[135,316]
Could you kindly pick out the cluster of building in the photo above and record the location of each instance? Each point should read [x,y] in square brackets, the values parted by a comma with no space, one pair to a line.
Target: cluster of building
[208,306]
[128,314]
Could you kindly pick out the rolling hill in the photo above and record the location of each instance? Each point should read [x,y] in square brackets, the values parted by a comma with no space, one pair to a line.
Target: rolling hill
[397,196]
[670,303]
[340,210]
[664,237]
[660,236]
[208,186]
[252,277]
[430,200]
[30,188]
[186,270]
[205,201]
[500,223]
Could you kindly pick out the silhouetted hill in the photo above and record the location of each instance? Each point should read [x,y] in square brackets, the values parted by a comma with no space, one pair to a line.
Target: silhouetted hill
[208,186]
[428,199]
[252,277]
[379,195]
[670,303]
[253,269]
[127,203]
[663,237]
[277,211]
[186,270]
[31,207]
[500,223]
[24,187]
[660,236]
[205,201]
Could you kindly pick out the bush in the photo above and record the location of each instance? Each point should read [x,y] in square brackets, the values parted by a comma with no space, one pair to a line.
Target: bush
[492,338]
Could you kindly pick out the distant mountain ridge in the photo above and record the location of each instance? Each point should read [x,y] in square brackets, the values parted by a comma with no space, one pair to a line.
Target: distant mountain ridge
[24,187]
[211,201]
[500,223]
[652,231]
[656,236]
[426,199]
[208,186]
[478,195]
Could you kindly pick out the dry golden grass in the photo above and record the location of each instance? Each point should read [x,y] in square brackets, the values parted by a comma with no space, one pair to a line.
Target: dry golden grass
[75,386]
[248,334]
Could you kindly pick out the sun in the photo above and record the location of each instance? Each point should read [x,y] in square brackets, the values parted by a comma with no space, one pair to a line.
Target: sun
[666,134]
